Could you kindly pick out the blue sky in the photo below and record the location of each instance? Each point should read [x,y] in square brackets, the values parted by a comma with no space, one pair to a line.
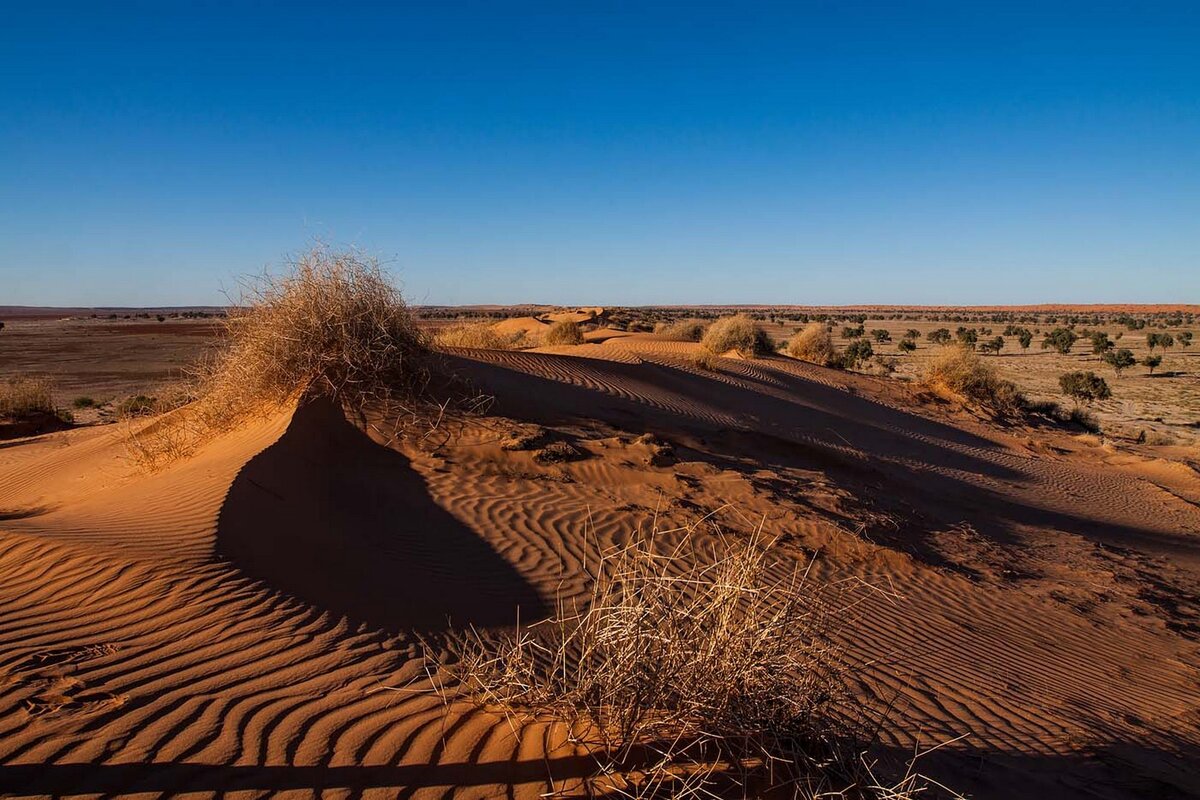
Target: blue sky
[619,153]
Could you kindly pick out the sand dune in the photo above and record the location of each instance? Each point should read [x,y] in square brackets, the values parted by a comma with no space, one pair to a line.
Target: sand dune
[227,623]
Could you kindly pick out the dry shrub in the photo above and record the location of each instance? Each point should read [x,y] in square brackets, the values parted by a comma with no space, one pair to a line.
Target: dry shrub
[333,325]
[563,332]
[683,330]
[24,396]
[480,336]
[687,669]
[740,333]
[703,359]
[815,345]
[962,374]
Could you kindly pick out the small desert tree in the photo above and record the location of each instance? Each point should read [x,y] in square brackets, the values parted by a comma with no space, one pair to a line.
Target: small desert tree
[1084,386]
[1060,339]
[857,352]
[912,333]
[1163,340]
[1025,338]
[852,332]
[967,337]
[1184,337]
[994,345]
[1101,344]
[941,336]
[906,345]
[1119,359]
[1151,362]
[881,335]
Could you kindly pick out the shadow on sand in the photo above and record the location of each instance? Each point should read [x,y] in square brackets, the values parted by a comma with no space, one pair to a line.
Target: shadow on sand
[337,521]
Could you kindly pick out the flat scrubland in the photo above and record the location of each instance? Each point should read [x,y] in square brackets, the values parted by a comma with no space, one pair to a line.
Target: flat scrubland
[370,549]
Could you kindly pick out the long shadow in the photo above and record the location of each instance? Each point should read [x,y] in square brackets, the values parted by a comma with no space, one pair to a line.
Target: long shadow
[811,430]
[1120,770]
[334,519]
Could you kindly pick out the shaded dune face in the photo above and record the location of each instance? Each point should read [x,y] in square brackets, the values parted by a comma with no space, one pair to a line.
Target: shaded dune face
[343,524]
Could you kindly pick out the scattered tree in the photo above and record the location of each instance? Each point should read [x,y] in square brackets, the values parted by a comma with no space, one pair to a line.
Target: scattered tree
[1184,337]
[912,333]
[967,337]
[849,332]
[881,335]
[857,352]
[939,337]
[1151,362]
[1163,340]
[1119,359]
[906,345]
[1101,344]
[994,345]
[1060,339]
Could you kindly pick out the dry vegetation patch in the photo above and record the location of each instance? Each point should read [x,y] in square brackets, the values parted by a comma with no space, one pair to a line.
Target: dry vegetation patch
[960,373]
[740,333]
[686,672]
[24,396]
[482,336]
[683,330]
[815,345]
[563,332]
[333,325]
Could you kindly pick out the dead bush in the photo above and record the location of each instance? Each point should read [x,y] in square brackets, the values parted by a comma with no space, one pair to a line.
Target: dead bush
[687,669]
[332,325]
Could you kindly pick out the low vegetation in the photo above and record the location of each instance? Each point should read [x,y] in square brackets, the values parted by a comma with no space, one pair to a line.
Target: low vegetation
[25,396]
[740,333]
[1084,387]
[333,325]
[961,373]
[683,330]
[814,344]
[686,669]
[563,332]
[480,336]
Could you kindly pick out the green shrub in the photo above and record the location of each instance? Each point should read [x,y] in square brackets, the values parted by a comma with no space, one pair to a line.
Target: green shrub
[1084,386]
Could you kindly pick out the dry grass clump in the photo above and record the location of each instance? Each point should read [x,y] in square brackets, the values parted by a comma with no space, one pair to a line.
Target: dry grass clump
[563,332]
[961,373]
[687,671]
[333,325]
[23,396]
[480,336]
[740,333]
[703,359]
[682,330]
[815,345]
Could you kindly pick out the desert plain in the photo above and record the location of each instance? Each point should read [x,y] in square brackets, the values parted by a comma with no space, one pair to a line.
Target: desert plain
[266,610]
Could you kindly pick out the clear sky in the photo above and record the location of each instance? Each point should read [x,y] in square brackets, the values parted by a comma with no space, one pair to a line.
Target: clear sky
[616,153]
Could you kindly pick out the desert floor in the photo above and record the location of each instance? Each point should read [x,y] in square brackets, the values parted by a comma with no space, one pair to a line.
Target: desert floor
[230,624]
